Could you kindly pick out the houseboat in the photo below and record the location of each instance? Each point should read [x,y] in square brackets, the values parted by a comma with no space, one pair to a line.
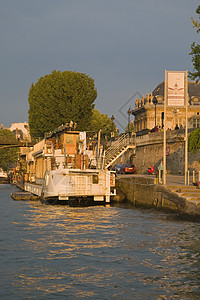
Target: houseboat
[63,168]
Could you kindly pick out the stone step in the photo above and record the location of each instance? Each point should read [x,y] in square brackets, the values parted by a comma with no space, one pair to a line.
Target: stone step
[184,187]
[190,193]
[194,200]
[180,192]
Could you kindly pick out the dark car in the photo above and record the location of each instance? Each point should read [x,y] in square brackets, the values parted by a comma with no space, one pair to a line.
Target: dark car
[124,169]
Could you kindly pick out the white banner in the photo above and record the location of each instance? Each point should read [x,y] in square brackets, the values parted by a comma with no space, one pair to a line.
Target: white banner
[176,89]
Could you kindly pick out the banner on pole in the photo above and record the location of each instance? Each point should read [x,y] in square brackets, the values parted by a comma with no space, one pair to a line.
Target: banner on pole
[176,88]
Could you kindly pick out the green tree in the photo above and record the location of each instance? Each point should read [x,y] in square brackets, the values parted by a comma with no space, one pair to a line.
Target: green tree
[194,140]
[103,122]
[8,155]
[197,23]
[195,51]
[58,98]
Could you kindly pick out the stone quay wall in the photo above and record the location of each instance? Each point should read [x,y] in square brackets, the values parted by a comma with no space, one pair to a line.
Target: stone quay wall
[149,151]
[144,192]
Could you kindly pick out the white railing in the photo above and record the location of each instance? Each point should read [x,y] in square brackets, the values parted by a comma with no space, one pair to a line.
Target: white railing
[127,139]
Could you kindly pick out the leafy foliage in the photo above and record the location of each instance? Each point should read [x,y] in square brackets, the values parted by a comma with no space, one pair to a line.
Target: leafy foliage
[196,62]
[195,52]
[7,155]
[103,122]
[58,98]
[194,140]
[197,23]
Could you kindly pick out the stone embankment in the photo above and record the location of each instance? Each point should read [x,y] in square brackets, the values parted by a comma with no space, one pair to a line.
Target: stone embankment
[143,191]
[149,151]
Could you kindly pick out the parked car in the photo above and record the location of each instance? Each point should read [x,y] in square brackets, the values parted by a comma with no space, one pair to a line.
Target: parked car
[124,169]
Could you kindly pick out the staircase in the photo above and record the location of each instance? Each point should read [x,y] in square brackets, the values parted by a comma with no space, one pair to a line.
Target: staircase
[191,193]
[119,147]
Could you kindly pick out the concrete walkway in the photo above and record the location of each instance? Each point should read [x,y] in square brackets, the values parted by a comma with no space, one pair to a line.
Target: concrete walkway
[175,180]
[170,179]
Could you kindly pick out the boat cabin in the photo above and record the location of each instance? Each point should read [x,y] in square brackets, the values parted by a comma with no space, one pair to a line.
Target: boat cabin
[59,149]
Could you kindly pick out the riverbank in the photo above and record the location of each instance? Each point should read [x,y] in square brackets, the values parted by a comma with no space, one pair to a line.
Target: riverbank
[143,191]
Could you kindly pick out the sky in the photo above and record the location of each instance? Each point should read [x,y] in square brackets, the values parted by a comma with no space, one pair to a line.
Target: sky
[125,46]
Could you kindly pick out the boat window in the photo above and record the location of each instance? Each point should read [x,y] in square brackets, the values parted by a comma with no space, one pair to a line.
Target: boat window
[95,179]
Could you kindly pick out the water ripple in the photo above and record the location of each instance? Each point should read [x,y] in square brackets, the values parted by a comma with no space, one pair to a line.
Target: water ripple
[96,252]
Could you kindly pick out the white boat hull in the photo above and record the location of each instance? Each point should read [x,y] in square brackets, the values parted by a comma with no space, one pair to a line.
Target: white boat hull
[66,184]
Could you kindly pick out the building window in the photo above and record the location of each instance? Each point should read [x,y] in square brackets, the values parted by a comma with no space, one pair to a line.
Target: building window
[196,123]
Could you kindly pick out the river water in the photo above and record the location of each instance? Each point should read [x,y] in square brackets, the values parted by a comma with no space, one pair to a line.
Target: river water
[101,252]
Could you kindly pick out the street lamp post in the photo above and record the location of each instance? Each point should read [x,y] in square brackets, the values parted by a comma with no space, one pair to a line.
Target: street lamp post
[112,133]
[162,116]
[155,102]
[129,114]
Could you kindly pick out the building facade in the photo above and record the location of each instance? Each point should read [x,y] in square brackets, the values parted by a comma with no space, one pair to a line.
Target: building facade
[149,110]
[21,131]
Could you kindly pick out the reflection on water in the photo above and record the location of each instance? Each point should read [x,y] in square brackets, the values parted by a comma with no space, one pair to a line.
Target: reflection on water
[96,252]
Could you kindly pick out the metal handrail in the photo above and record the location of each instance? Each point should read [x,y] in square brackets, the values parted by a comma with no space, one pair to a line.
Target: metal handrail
[117,146]
[122,137]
